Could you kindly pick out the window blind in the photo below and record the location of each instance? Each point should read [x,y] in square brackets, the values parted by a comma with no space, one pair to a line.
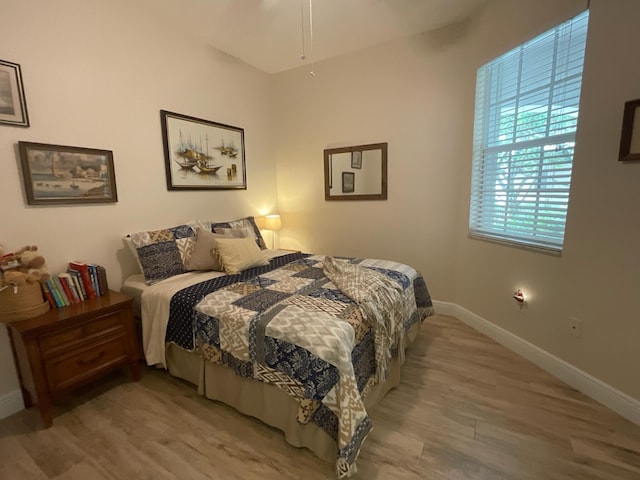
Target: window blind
[526,115]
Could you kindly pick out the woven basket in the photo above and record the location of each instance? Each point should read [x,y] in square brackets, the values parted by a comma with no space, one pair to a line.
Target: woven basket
[20,303]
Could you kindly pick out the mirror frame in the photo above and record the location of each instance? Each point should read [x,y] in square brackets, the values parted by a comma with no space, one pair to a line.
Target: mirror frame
[357,148]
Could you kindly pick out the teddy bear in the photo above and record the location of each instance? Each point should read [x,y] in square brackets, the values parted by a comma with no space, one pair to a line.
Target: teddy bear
[23,266]
[32,263]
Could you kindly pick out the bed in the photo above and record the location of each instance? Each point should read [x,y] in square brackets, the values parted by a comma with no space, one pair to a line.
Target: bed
[280,340]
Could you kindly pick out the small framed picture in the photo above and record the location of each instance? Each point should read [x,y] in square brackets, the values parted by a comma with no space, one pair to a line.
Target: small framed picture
[356,159]
[630,137]
[56,174]
[13,106]
[348,182]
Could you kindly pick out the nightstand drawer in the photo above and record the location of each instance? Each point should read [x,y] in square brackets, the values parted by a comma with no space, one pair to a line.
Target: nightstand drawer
[77,365]
[66,338]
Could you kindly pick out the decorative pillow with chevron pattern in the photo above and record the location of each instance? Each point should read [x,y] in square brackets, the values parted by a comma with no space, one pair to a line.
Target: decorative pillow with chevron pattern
[164,253]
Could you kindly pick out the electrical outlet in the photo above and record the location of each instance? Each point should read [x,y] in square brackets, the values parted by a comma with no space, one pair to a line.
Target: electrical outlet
[575,326]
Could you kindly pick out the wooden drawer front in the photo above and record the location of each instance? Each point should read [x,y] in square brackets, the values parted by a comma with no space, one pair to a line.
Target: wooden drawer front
[67,369]
[96,326]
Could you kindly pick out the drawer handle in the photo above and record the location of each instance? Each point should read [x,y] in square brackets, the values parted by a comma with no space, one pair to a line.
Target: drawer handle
[84,363]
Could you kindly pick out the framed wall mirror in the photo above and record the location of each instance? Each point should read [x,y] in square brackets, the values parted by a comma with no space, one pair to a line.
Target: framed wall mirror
[356,173]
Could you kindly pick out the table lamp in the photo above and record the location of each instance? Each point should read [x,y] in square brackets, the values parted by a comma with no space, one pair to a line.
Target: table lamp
[273,223]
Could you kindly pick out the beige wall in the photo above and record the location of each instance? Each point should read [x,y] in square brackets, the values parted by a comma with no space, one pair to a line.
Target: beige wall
[597,279]
[418,95]
[388,94]
[96,74]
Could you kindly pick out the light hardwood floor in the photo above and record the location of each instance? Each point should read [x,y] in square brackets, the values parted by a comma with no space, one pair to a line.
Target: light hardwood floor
[467,408]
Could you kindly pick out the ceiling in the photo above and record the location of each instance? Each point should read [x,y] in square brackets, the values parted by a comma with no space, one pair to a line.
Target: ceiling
[268,33]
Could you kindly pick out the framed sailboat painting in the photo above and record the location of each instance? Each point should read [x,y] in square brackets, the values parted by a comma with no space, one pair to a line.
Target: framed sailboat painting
[57,174]
[202,155]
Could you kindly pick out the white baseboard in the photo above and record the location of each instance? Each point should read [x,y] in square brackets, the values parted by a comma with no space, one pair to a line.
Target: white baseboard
[618,401]
[11,403]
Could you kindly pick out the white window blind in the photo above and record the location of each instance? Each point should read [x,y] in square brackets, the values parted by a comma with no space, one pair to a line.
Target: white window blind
[526,116]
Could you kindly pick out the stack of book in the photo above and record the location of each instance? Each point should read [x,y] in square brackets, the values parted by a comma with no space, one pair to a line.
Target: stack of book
[82,281]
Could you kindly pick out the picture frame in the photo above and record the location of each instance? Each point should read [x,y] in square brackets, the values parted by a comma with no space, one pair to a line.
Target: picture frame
[13,104]
[58,174]
[630,136]
[348,182]
[356,159]
[202,155]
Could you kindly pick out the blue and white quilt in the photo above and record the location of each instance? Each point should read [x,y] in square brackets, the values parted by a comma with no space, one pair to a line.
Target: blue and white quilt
[288,325]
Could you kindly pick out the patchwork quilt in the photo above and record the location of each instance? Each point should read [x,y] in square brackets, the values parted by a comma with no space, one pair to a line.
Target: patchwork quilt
[289,325]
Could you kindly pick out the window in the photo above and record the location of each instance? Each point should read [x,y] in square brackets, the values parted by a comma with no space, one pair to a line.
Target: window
[524,135]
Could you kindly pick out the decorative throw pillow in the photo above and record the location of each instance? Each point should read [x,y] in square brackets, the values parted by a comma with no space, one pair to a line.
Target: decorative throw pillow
[132,248]
[164,253]
[240,232]
[241,224]
[204,256]
[238,254]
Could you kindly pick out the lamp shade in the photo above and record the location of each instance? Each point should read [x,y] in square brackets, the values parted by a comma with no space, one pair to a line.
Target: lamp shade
[272,222]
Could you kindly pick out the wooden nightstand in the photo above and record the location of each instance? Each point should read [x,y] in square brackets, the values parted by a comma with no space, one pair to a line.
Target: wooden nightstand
[67,347]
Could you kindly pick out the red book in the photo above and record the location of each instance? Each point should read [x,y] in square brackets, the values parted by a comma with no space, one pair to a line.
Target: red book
[67,290]
[83,268]
[48,295]
[69,287]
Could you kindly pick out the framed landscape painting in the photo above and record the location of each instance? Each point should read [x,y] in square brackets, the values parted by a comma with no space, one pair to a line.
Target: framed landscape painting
[56,174]
[13,106]
[202,155]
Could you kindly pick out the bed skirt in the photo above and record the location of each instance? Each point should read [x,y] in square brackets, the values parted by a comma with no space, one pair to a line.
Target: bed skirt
[267,402]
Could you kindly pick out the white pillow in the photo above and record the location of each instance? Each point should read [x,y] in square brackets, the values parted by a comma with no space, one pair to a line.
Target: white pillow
[134,251]
[238,254]
[204,256]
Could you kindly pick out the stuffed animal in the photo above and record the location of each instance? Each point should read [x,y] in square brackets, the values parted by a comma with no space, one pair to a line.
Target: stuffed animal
[23,266]
[8,261]
[32,263]
[10,273]
[15,277]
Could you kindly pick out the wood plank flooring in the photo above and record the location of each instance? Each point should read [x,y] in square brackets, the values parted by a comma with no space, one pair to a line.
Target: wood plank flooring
[467,408]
